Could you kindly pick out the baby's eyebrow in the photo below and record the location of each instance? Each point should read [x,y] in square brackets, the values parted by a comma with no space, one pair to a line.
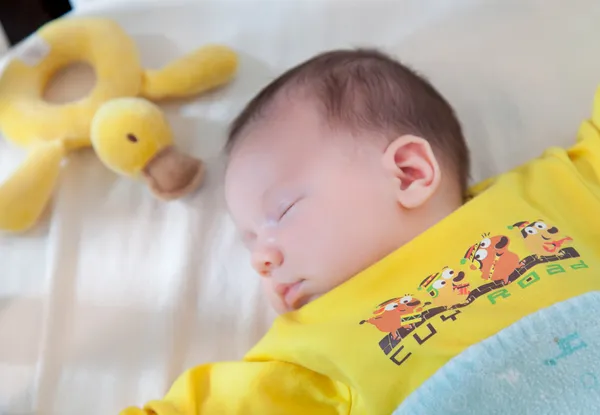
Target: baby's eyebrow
[268,196]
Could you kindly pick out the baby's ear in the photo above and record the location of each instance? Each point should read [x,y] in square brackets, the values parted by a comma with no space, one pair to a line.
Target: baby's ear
[412,166]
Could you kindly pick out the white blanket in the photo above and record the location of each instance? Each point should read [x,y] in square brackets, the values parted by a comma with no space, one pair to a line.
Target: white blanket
[115,293]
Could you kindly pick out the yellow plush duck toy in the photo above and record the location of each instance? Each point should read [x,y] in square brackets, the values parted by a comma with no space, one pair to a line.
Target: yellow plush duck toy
[130,134]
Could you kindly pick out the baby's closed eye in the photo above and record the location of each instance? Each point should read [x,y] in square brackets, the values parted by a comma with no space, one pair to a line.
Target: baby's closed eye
[287,208]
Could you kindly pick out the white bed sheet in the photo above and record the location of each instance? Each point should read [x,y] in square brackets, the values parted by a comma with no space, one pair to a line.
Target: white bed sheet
[115,293]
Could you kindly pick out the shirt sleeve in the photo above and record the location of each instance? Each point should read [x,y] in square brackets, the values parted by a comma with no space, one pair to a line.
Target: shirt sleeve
[250,388]
[585,154]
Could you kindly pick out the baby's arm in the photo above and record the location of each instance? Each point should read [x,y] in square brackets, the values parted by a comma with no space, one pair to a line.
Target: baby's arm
[251,388]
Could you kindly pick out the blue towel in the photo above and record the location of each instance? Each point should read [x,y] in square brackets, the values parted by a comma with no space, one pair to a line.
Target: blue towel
[546,363]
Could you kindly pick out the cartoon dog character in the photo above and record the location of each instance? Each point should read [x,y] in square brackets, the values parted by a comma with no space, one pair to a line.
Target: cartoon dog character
[395,314]
[541,239]
[492,257]
[446,288]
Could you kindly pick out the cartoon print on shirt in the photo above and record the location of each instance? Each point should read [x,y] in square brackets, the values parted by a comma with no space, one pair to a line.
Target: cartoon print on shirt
[392,315]
[540,238]
[463,283]
[446,288]
[493,258]
[484,271]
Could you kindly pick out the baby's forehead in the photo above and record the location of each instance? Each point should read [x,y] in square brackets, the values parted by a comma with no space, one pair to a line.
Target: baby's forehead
[291,105]
[285,123]
[296,132]
[278,148]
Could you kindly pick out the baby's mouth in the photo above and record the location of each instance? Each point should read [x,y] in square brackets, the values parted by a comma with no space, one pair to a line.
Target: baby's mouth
[291,294]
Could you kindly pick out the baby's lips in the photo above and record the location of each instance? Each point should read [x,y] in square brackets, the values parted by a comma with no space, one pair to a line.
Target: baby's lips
[172,174]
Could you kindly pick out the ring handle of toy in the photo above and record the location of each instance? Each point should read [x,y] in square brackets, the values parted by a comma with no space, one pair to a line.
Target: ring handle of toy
[25,116]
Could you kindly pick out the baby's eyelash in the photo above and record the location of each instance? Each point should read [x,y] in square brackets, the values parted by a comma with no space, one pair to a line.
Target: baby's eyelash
[286,210]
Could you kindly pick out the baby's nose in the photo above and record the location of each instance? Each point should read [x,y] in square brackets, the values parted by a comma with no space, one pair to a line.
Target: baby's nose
[265,260]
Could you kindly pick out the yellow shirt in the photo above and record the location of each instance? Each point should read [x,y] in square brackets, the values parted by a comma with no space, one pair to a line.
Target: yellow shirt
[529,239]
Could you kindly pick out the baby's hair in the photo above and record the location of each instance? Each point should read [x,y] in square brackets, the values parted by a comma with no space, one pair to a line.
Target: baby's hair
[367,90]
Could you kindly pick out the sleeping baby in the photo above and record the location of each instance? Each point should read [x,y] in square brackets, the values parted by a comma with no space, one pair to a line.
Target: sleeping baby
[400,290]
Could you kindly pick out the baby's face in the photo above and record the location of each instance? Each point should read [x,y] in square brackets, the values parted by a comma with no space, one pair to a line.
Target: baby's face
[314,206]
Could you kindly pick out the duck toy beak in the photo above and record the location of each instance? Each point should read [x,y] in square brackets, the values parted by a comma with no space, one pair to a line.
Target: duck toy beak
[171,174]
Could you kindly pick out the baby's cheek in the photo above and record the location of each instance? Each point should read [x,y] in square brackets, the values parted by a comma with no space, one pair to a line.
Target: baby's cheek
[317,242]
[332,252]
